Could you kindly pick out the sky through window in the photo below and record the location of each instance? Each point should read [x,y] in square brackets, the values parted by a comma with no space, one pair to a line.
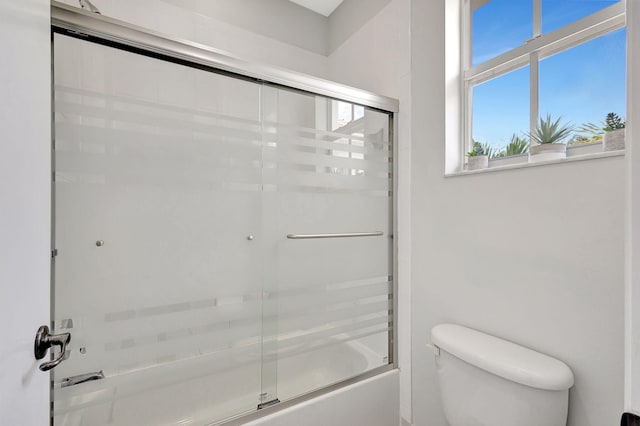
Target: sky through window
[581,84]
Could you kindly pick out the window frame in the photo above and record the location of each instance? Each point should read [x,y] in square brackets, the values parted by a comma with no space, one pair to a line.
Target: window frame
[534,50]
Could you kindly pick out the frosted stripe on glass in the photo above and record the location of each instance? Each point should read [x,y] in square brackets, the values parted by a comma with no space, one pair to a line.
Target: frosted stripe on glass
[102,99]
[356,132]
[357,287]
[310,155]
[240,326]
[103,138]
[324,140]
[120,115]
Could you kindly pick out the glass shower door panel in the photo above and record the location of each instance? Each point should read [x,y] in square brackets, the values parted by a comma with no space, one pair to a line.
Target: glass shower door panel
[157,190]
[330,177]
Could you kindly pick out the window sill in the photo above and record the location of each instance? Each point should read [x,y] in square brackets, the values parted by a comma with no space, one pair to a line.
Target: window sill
[525,164]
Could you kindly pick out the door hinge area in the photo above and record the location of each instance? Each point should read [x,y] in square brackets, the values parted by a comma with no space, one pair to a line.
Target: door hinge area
[54,253]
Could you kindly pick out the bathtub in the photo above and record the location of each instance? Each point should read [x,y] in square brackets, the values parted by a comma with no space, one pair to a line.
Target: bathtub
[180,393]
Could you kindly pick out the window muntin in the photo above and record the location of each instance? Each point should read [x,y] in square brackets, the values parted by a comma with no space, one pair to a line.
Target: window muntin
[596,25]
[558,13]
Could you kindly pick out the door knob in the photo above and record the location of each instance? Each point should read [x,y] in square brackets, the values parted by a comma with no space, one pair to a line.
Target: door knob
[44,341]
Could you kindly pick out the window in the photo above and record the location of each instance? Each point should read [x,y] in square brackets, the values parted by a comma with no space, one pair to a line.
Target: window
[348,123]
[527,60]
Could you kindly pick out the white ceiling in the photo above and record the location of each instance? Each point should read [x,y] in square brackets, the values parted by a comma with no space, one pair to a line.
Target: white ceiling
[323,7]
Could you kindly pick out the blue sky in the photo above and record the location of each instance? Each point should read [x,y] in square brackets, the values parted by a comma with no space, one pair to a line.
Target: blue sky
[581,84]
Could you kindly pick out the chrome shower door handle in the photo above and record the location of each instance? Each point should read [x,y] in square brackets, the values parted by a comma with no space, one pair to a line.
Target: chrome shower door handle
[44,341]
[82,378]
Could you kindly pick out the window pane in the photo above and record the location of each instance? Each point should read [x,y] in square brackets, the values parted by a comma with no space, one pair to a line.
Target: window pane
[499,26]
[557,13]
[344,113]
[358,112]
[501,109]
[585,83]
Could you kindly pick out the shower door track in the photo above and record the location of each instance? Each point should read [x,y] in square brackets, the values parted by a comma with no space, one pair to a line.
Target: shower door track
[100,29]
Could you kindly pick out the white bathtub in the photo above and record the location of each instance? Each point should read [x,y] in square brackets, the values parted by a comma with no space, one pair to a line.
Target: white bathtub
[177,393]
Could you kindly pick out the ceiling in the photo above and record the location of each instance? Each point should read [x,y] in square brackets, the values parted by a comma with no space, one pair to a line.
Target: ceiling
[323,7]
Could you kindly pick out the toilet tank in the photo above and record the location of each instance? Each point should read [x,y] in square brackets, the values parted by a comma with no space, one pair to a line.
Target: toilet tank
[488,381]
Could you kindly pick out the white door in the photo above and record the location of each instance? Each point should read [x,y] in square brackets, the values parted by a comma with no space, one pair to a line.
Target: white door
[25,164]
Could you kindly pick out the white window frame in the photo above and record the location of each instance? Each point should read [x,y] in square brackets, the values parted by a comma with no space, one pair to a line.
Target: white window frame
[539,47]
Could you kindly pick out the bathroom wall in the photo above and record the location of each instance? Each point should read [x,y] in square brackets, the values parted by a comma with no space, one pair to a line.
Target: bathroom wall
[304,28]
[533,255]
[349,18]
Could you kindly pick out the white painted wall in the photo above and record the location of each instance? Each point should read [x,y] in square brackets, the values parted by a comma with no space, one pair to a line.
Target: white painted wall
[377,58]
[538,267]
[25,165]
[304,28]
[348,19]
[532,255]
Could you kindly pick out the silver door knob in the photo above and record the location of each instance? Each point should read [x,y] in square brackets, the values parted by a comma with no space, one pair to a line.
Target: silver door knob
[44,341]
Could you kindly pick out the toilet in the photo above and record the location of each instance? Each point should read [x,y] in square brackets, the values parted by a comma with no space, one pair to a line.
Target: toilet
[488,381]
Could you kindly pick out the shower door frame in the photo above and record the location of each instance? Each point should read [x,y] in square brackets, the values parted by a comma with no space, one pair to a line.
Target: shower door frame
[93,27]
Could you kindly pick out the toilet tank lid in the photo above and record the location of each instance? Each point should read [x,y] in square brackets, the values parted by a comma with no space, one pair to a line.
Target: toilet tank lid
[503,358]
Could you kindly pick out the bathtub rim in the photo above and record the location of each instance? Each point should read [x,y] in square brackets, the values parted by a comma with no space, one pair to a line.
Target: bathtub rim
[253,415]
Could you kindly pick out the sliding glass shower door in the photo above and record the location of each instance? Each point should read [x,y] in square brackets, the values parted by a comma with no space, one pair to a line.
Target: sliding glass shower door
[222,244]
[328,180]
[158,232]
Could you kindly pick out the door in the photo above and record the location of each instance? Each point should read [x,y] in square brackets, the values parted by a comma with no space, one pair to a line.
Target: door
[332,280]
[158,232]
[25,122]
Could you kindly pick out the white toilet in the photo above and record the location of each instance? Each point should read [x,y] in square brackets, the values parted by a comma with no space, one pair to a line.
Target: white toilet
[487,381]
